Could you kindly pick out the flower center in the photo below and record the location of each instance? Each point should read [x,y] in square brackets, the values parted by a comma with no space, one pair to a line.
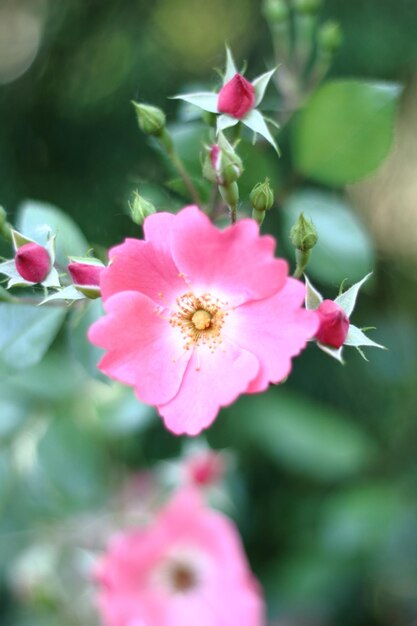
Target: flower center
[199,319]
[182,577]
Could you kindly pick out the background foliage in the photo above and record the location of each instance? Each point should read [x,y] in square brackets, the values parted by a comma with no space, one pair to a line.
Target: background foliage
[324,487]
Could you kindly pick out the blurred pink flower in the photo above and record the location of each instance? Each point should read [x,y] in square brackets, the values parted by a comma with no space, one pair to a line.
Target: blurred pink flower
[186,569]
[236,97]
[204,468]
[196,316]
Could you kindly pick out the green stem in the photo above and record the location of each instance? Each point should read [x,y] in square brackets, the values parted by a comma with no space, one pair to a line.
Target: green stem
[167,143]
[302,258]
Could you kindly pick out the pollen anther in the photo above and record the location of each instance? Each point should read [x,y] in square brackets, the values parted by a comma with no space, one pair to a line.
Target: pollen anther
[200,319]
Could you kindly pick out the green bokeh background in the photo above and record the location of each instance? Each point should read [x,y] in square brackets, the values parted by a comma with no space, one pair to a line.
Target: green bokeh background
[326,474]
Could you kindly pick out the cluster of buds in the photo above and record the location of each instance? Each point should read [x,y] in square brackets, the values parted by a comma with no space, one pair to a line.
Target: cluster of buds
[34,264]
[223,166]
[140,208]
[303,236]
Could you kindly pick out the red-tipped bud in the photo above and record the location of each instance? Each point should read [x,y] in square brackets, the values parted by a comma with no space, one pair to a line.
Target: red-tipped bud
[85,274]
[32,262]
[237,97]
[334,324]
[205,469]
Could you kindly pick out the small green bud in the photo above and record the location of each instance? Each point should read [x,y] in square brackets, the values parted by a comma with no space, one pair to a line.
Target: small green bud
[151,120]
[262,196]
[303,234]
[140,208]
[258,216]
[330,36]
[230,194]
[307,7]
[275,11]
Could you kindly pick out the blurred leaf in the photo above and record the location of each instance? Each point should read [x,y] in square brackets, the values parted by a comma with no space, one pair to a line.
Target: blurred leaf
[77,328]
[344,249]
[306,437]
[26,332]
[73,461]
[361,518]
[122,414]
[32,217]
[345,130]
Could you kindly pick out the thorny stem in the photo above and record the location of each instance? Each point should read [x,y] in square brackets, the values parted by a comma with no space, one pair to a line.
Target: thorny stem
[167,143]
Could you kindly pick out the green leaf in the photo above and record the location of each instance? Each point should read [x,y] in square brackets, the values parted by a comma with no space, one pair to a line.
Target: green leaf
[360,518]
[344,248]
[306,437]
[345,130]
[33,216]
[230,66]
[79,323]
[313,298]
[72,461]
[26,332]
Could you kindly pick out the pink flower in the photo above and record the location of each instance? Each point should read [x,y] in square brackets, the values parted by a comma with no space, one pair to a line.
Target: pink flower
[236,97]
[334,324]
[85,273]
[196,316]
[32,262]
[187,568]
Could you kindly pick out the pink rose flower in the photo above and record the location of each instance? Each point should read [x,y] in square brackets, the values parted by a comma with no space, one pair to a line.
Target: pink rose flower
[236,97]
[32,262]
[334,324]
[187,568]
[195,316]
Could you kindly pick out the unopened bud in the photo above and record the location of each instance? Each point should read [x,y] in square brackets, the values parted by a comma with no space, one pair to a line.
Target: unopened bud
[330,36]
[334,324]
[85,274]
[3,217]
[151,120]
[32,262]
[275,11]
[307,7]
[222,165]
[262,196]
[230,194]
[303,234]
[140,208]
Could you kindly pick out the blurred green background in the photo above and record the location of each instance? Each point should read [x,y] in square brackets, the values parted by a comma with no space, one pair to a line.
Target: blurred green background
[325,483]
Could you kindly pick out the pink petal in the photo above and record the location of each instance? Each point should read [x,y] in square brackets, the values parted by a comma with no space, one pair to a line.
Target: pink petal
[275,330]
[142,266]
[236,262]
[142,348]
[211,380]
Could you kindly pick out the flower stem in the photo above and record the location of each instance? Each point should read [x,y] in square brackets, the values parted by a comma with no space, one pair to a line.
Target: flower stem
[302,258]
[168,145]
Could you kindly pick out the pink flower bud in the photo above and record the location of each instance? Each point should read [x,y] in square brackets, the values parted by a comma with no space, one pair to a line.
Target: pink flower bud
[334,324]
[85,273]
[32,262]
[237,97]
[215,157]
[205,468]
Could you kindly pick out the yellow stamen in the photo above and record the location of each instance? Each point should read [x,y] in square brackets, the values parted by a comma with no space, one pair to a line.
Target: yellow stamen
[201,319]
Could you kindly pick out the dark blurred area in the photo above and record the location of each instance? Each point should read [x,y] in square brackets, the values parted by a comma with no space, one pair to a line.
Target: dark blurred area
[326,486]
